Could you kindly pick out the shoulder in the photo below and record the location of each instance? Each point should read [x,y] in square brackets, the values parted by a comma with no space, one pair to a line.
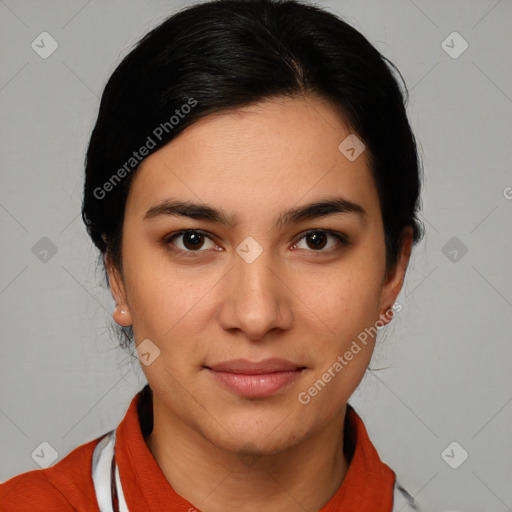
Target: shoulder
[31,491]
[66,485]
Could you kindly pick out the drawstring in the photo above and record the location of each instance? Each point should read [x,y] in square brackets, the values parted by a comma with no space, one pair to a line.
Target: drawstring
[105,476]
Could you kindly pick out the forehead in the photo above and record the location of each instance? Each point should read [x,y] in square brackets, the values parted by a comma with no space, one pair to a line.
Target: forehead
[275,152]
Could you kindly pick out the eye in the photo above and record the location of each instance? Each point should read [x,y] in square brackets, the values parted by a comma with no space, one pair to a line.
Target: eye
[192,240]
[317,240]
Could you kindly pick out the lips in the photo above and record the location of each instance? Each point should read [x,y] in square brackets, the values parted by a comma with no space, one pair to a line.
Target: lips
[255,379]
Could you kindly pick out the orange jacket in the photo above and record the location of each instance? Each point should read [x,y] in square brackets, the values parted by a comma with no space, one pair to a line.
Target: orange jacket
[367,487]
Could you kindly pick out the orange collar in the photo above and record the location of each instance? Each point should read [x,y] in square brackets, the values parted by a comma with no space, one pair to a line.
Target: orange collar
[367,486]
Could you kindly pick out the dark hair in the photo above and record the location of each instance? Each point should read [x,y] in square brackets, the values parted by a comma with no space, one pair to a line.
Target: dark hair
[225,54]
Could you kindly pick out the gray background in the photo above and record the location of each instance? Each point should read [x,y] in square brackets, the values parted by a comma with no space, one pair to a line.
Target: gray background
[64,381]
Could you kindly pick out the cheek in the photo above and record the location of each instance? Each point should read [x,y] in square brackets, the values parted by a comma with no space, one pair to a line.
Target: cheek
[168,304]
[345,300]
[341,354]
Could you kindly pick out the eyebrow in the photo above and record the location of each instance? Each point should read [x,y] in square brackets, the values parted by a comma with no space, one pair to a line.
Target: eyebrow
[314,210]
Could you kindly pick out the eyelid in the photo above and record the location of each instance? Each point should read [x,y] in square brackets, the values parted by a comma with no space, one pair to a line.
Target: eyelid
[343,240]
[167,240]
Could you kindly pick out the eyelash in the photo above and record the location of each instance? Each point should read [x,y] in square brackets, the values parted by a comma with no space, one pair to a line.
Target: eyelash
[341,237]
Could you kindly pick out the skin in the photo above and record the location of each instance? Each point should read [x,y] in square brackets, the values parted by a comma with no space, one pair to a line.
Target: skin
[294,302]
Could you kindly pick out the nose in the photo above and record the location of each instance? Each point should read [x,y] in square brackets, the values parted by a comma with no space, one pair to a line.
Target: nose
[255,298]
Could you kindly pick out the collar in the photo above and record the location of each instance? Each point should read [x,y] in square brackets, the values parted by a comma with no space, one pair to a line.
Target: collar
[368,483]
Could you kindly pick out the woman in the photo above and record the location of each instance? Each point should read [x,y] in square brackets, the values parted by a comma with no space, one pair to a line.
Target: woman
[252,183]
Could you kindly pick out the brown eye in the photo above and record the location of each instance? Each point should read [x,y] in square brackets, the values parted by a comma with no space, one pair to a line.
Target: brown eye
[192,240]
[317,240]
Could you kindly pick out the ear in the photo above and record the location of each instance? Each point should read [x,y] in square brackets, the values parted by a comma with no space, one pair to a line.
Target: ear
[121,313]
[115,280]
[395,278]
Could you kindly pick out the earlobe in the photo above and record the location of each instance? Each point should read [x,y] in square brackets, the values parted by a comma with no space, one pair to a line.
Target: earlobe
[385,317]
[122,315]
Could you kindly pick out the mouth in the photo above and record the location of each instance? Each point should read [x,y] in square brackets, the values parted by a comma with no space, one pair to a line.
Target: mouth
[255,379]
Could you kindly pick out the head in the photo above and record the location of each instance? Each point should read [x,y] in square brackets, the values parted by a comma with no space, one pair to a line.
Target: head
[252,183]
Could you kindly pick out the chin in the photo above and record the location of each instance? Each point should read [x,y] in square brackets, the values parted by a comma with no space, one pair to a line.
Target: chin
[257,435]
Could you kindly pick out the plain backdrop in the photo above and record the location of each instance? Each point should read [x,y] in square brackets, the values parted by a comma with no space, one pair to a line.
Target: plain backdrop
[447,354]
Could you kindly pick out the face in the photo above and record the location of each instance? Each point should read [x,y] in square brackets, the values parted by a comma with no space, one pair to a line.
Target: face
[256,315]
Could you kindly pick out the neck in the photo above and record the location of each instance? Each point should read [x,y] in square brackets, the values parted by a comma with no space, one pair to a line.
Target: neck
[304,477]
